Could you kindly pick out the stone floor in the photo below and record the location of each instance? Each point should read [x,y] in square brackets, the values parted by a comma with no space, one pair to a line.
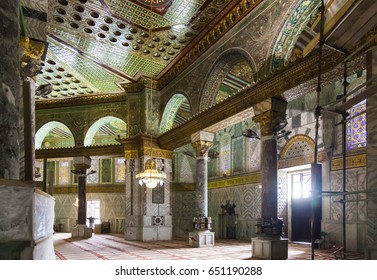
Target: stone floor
[115,247]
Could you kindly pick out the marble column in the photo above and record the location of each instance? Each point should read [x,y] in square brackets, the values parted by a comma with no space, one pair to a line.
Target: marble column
[81,165]
[270,115]
[201,236]
[10,90]
[371,232]
[202,141]
[269,162]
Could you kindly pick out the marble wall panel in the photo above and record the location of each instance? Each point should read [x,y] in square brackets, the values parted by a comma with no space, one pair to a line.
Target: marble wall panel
[112,208]
[247,199]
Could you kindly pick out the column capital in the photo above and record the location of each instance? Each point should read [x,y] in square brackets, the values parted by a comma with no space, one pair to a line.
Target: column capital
[81,164]
[31,54]
[269,121]
[270,114]
[202,147]
[202,141]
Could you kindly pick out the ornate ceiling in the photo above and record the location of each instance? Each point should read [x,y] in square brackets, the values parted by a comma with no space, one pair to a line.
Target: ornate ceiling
[105,46]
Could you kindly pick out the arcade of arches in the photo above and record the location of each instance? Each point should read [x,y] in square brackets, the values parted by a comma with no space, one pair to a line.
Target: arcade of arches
[232,112]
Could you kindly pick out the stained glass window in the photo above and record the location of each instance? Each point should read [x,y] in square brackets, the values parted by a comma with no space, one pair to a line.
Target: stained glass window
[120,170]
[106,170]
[93,178]
[64,172]
[356,127]
[225,156]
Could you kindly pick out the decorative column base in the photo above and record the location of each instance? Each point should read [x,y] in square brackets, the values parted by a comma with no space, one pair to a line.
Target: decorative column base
[201,236]
[82,231]
[201,239]
[269,249]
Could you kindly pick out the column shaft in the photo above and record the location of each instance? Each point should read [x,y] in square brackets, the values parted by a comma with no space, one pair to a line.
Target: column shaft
[10,90]
[269,178]
[82,200]
[201,187]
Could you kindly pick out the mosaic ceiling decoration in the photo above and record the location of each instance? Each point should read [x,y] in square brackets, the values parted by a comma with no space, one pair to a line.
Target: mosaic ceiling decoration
[100,46]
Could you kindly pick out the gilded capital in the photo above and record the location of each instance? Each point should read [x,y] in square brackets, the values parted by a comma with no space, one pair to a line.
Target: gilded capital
[202,147]
[270,121]
[31,54]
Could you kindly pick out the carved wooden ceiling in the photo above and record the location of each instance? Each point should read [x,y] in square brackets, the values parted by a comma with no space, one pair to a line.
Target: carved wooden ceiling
[103,46]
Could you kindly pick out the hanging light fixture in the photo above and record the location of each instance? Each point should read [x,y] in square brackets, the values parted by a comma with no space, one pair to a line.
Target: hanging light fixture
[151,177]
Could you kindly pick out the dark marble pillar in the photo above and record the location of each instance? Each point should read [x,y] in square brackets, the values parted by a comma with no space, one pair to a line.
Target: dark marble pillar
[202,142]
[269,177]
[269,244]
[81,165]
[81,215]
[271,116]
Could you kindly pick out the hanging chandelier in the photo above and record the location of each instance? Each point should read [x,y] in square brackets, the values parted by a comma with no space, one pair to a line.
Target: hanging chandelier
[151,177]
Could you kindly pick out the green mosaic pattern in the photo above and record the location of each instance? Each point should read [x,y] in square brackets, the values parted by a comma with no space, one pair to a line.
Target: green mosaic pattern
[112,55]
[103,80]
[65,80]
[291,31]
[180,12]
[170,112]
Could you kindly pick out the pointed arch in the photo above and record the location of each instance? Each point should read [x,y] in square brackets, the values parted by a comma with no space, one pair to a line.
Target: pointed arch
[298,150]
[104,131]
[176,112]
[293,28]
[232,71]
[54,134]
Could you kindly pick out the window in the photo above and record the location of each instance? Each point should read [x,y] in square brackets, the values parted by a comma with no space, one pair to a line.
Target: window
[301,185]
[225,155]
[93,178]
[120,170]
[93,210]
[64,172]
[356,127]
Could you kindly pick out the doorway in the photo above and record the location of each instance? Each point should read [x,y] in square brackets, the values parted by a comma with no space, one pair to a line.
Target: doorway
[301,205]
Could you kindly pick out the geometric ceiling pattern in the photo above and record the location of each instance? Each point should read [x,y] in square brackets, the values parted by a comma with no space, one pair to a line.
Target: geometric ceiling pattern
[98,46]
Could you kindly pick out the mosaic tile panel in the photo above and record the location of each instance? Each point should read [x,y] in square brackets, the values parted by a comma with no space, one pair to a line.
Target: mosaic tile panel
[246,198]
[112,209]
[356,208]
[291,31]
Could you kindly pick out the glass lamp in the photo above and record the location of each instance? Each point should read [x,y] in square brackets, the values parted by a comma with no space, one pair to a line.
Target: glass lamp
[151,177]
